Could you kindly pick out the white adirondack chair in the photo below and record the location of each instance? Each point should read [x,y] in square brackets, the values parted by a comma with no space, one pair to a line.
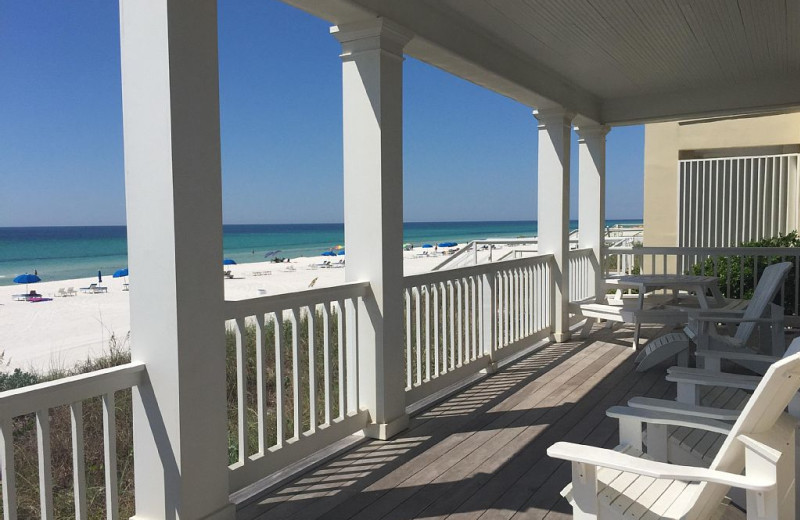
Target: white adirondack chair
[714,398]
[702,326]
[623,483]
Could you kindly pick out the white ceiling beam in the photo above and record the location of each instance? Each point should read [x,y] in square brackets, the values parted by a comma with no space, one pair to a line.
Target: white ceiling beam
[453,43]
[766,96]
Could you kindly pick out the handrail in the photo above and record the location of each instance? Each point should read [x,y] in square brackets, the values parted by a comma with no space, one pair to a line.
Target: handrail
[68,390]
[717,251]
[280,302]
[473,270]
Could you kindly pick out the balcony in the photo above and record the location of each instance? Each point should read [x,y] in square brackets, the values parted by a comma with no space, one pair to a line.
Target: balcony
[376,368]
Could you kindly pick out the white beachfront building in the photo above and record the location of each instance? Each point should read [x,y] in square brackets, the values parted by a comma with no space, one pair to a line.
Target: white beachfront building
[585,64]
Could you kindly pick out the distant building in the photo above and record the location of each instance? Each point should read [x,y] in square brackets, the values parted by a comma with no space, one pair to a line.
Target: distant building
[721,182]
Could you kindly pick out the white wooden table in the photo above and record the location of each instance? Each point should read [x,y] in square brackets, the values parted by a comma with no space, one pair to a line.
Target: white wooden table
[699,285]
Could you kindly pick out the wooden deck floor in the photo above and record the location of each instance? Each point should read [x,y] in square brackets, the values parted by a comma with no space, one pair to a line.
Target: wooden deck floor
[481,452]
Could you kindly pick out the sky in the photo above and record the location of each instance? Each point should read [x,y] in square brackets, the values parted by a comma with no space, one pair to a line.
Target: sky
[469,153]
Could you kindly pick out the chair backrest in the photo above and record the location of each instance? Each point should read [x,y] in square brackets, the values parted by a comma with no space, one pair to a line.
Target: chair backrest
[768,286]
[764,412]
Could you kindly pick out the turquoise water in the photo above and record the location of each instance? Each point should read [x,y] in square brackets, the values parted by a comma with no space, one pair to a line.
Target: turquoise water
[61,253]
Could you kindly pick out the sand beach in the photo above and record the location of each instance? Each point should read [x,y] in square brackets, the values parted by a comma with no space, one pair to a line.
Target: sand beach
[61,331]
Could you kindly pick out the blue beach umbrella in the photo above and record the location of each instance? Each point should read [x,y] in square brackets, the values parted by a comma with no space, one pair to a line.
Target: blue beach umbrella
[229,261]
[448,244]
[341,252]
[426,246]
[271,253]
[328,253]
[119,273]
[26,279]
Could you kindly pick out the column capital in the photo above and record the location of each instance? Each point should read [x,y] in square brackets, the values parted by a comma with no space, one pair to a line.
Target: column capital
[371,35]
[592,131]
[553,116]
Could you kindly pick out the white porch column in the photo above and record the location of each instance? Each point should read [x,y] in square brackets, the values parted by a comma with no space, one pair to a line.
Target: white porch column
[174,213]
[372,90]
[592,197]
[555,125]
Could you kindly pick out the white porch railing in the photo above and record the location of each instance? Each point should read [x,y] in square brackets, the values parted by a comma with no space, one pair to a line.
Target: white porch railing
[581,284]
[459,321]
[281,340]
[737,267]
[16,408]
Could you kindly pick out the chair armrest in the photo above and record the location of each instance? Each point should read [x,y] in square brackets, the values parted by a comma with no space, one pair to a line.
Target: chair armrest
[736,354]
[614,460]
[668,418]
[710,378]
[721,319]
[663,405]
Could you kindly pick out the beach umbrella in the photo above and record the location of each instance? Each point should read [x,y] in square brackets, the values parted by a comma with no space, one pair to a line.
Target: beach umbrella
[448,244]
[426,246]
[26,279]
[328,253]
[271,253]
[341,252]
[119,273]
[229,261]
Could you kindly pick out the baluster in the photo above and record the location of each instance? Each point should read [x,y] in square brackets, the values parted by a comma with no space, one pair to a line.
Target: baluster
[340,351]
[506,315]
[9,475]
[241,389]
[109,457]
[297,399]
[78,460]
[353,304]
[427,292]
[409,367]
[326,360]
[261,382]
[418,336]
[796,284]
[460,328]
[280,361]
[45,465]
[312,370]
[452,325]
[436,316]
[445,364]
[741,277]
[474,291]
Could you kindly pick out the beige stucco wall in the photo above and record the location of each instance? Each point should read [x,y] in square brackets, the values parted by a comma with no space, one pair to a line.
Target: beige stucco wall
[664,143]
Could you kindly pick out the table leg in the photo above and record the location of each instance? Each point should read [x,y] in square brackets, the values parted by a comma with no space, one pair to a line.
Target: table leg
[638,321]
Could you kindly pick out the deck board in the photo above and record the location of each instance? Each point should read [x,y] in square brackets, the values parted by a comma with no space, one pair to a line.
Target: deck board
[481,453]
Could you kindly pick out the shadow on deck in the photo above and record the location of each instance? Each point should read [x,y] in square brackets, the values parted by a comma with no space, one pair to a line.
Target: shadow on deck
[482,452]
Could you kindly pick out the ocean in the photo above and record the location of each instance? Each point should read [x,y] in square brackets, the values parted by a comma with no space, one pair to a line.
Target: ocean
[61,253]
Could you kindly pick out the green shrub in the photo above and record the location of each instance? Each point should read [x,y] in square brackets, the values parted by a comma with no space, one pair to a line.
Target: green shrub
[736,273]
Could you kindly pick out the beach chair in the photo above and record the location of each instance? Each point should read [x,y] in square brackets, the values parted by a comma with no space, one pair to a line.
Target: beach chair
[62,293]
[71,292]
[701,393]
[89,289]
[702,330]
[624,483]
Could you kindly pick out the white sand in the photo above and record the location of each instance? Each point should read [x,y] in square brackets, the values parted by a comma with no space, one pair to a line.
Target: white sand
[60,332]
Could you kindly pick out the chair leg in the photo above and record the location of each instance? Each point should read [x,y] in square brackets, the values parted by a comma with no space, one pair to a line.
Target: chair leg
[584,491]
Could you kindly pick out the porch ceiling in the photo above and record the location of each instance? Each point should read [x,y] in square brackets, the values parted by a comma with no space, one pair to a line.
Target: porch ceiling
[613,61]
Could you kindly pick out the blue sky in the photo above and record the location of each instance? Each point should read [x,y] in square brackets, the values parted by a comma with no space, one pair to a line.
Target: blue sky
[470,154]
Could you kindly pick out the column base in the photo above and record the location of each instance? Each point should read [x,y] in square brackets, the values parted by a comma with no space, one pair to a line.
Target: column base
[491,367]
[228,512]
[386,431]
[561,337]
